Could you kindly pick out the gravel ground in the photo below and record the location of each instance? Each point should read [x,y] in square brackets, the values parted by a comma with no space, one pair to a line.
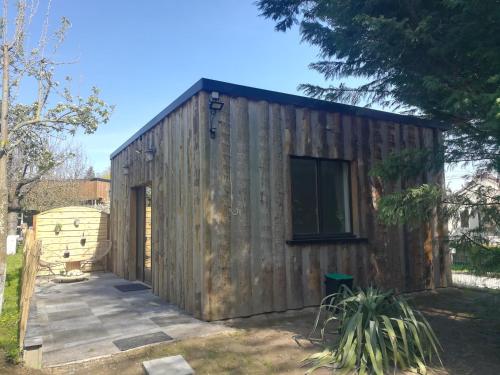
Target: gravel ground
[468,280]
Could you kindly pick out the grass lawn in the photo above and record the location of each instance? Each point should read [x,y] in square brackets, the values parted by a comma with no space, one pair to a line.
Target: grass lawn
[467,322]
[9,319]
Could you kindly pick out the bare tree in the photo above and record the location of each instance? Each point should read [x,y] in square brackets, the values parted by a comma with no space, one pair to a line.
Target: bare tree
[106,174]
[33,187]
[73,167]
[90,173]
[25,126]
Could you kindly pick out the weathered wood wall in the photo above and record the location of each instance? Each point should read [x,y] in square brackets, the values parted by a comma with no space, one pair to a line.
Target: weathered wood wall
[222,213]
[175,179]
[93,227]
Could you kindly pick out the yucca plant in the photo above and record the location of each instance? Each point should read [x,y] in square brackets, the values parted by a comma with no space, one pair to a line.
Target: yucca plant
[374,332]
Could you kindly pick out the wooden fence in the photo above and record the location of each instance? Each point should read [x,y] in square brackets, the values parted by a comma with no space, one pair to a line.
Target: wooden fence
[76,230]
[32,250]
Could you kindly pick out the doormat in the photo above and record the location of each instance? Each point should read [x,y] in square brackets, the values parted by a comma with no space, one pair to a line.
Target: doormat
[141,340]
[132,287]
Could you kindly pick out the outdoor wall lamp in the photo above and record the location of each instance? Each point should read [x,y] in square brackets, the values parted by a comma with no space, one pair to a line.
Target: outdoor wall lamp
[125,170]
[150,154]
[215,105]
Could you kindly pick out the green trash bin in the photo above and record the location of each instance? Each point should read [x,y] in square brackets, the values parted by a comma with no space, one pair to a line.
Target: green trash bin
[333,282]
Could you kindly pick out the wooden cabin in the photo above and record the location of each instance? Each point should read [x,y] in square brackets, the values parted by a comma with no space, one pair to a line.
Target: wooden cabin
[94,191]
[256,194]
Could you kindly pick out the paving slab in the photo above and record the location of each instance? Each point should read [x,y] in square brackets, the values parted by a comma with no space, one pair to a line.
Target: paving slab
[75,337]
[55,306]
[125,313]
[81,323]
[164,321]
[82,352]
[118,327]
[85,320]
[174,365]
[131,287]
[68,314]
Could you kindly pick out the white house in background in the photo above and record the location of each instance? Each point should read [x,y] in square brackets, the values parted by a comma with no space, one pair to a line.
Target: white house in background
[470,220]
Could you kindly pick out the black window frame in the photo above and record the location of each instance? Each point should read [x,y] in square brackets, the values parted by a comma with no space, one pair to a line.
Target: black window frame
[320,235]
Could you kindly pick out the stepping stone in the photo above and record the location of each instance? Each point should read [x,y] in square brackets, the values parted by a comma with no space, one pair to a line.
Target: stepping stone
[175,365]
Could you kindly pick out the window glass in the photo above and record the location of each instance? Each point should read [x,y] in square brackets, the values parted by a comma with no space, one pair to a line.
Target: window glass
[334,197]
[304,196]
[320,197]
[464,219]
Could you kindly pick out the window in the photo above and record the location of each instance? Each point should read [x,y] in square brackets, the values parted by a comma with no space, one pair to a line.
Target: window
[321,198]
[464,219]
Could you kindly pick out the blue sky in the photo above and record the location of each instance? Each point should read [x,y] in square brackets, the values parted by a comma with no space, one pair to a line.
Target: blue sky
[143,54]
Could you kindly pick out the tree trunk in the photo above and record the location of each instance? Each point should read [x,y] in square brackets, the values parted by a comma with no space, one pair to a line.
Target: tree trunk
[3,225]
[12,222]
[4,186]
[14,209]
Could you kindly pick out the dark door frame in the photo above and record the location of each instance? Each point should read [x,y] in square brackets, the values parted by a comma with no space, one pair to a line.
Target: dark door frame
[138,234]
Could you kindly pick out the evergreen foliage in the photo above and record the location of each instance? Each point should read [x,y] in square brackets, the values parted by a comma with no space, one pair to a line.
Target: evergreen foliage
[435,59]
[411,206]
[408,164]
[477,259]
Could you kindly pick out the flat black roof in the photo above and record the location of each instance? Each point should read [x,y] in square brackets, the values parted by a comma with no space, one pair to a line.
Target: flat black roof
[100,179]
[232,89]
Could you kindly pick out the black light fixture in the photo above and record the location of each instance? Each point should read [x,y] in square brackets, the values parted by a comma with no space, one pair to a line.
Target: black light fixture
[215,105]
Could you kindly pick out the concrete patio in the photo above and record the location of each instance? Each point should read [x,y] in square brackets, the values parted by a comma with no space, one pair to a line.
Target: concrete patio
[91,319]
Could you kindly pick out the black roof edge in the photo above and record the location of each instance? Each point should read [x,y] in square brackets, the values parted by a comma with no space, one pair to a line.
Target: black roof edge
[101,179]
[232,89]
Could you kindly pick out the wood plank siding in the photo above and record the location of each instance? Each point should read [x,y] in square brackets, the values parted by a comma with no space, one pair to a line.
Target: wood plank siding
[221,220]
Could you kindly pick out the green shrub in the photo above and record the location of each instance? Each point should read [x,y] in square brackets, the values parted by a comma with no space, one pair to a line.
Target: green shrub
[375,332]
[482,260]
